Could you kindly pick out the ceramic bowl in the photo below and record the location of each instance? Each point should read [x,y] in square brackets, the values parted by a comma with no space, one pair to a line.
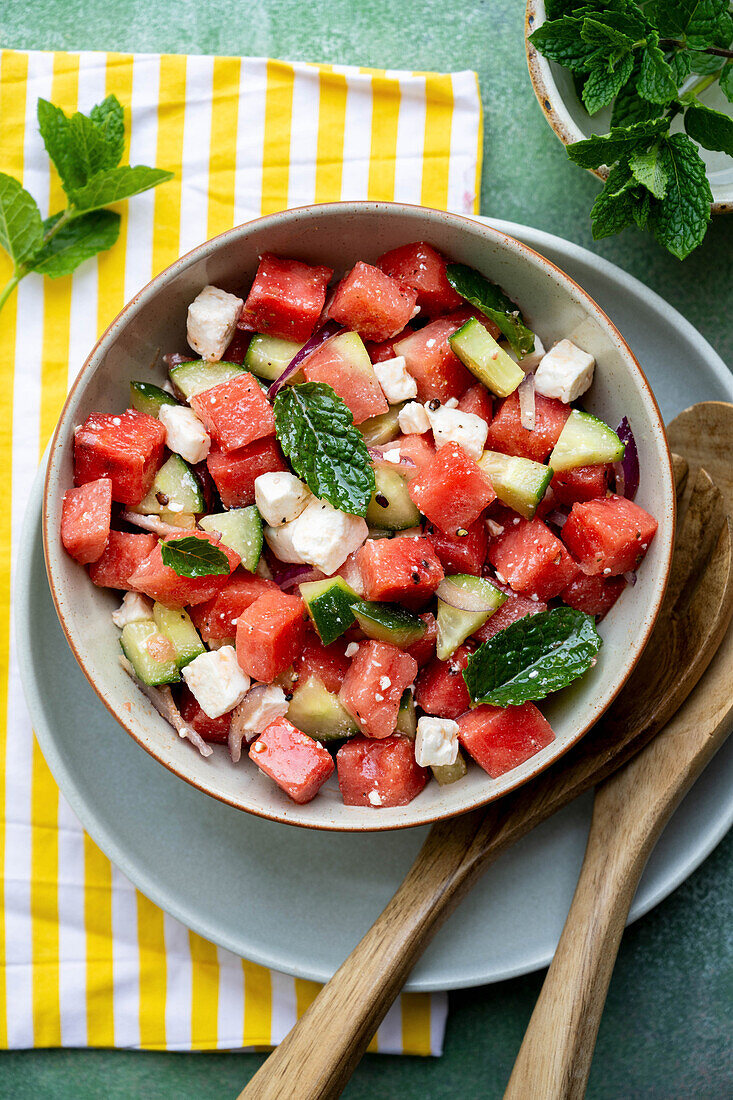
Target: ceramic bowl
[338,234]
[555,91]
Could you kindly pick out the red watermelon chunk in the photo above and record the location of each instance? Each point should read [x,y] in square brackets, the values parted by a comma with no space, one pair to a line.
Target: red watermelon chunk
[85,519]
[507,435]
[123,554]
[236,349]
[236,412]
[234,474]
[372,303]
[461,553]
[424,648]
[162,583]
[431,361]
[297,763]
[609,536]
[211,729]
[422,267]
[406,570]
[127,449]
[452,490]
[514,608]
[328,662]
[441,689]
[343,364]
[286,298]
[270,635]
[531,560]
[379,773]
[582,483]
[374,684]
[502,738]
[594,595]
[417,448]
[478,401]
[382,350]
[216,619]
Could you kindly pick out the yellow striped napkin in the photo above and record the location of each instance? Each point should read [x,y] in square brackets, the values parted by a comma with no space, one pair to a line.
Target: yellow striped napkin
[86,959]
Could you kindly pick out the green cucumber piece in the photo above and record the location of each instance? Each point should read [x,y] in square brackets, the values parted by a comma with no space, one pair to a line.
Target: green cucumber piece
[240,530]
[519,483]
[176,481]
[406,717]
[176,624]
[388,622]
[454,624]
[449,773]
[147,398]
[134,645]
[329,606]
[268,356]
[479,351]
[319,713]
[199,375]
[585,441]
[391,505]
[383,428]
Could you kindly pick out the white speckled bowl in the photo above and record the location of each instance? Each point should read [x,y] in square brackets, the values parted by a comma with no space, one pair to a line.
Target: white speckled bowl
[338,234]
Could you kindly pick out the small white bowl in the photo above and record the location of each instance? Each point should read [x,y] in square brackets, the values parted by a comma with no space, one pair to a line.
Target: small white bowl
[338,234]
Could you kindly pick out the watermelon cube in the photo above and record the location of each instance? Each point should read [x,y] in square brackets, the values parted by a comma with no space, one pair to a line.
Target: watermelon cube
[424,648]
[382,350]
[422,267]
[507,435]
[236,349]
[234,474]
[286,298]
[270,635]
[441,689]
[297,763]
[127,449]
[216,619]
[514,608]
[374,684]
[372,303]
[163,584]
[236,412]
[328,662]
[609,536]
[418,449]
[211,729]
[406,570]
[85,519]
[123,554]
[461,553]
[344,364]
[502,738]
[452,490]
[581,483]
[478,401]
[594,595]
[531,560]
[432,362]
[379,773]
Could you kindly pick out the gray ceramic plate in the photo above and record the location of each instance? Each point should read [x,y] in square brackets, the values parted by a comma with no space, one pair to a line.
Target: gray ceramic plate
[296,899]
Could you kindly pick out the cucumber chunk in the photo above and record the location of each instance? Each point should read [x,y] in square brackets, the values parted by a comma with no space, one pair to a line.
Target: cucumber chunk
[585,441]
[176,489]
[388,622]
[319,713]
[406,717]
[176,625]
[519,483]
[329,606]
[449,773]
[199,375]
[479,351]
[383,428]
[147,398]
[391,506]
[454,624]
[268,356]
[240,530]
[135,637]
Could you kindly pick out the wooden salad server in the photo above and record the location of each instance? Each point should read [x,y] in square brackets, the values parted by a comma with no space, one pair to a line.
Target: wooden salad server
[630,812]
[317,1057]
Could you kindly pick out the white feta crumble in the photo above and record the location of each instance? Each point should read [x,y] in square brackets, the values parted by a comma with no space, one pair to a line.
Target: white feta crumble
[392,455]
[352,649]
[451,403]
[280,496]
[375,798]
[216,681]
[436,742]
[321,536]
[262,704]
[531,361]
[413,419]
[384,682]
[212,319]
[133,609]
[453,426]
[378,697]
[565,372]
[394,379]
[184,433]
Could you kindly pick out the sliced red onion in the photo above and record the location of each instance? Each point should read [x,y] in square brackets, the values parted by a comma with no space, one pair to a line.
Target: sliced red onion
[292,575]
[461,599]
[155,525]
[557,518]
[162,700]
[378,455]
[319,337]
[174,359]
[525,390]
[629,464]
[630,578]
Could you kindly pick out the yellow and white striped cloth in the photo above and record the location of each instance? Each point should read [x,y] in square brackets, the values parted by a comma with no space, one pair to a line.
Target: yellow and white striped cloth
[86,959]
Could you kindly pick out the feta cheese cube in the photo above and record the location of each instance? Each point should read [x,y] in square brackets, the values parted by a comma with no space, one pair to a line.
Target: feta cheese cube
[262,704]
[375,798]
[184,433]
[531,361]
[352,649]
[216,681]
[212,319]
[454,426]
[280,496]
[436,742]
[413,419]
[321,536]
[565,372]
[280,541]
[396,383]
[133,609]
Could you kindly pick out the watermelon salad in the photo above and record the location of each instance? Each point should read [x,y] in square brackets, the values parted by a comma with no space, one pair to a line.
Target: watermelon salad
[364,526]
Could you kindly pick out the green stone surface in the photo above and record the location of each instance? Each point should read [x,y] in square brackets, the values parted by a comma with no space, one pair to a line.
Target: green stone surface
[665,1034]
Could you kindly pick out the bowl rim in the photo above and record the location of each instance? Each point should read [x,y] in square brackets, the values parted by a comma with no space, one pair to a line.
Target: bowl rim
[552,103]
[206,248]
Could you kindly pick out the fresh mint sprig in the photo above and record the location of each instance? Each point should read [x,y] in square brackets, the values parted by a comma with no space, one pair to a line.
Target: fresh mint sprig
[193,557]
[637,58]
[86,151]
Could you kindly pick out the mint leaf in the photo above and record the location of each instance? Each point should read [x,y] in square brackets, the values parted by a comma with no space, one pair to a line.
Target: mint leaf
[680,220]
[614,208]
[711,129]
[605,82]
[681,66]
[560,41]
[75,242]
[692,18]
[604,35]
[109,117]
[656,81]
[316,431]
[192,557]
[726,81]
[629,107]
[91,149]
[621,141]
[647,168]
[55,130]
[494,303]
[111,186]
[21,231]
[534,656]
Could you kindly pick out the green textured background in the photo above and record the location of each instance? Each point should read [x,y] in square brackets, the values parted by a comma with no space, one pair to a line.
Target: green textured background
[665,1034]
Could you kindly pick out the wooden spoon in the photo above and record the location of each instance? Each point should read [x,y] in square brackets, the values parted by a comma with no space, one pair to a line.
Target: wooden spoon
[317,1057]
